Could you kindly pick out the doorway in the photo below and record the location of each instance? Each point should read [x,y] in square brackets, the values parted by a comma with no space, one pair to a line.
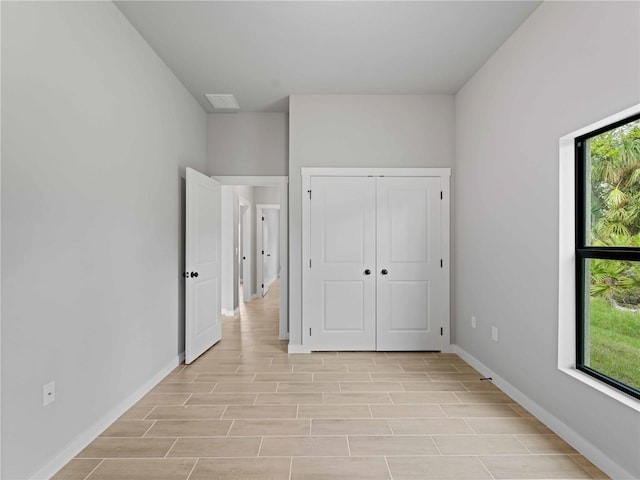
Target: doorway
[238,223]
[267,246]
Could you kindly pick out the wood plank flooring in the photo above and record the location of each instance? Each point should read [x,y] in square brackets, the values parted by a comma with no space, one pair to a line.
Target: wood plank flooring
[248,410]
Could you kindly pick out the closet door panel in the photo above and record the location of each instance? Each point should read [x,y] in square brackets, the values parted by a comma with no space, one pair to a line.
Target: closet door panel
[342,247]
[409,294]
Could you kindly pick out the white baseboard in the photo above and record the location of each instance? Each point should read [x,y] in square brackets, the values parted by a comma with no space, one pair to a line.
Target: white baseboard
[230,313]
[298,349]
[581,444]
[86,437]
[449,348]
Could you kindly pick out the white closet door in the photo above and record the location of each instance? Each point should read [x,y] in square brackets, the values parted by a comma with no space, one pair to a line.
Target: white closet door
[409,273]
[342,247]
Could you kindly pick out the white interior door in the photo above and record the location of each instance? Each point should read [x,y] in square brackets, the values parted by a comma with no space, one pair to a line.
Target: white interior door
[265,255]
[272,218]
[267,245]
[342,251]
[247,255]
[409,274]
[202,261]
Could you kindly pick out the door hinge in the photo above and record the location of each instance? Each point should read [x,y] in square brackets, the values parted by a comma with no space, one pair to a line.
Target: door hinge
[309,331]
[309,263]
[441,264]
[263,219]
[440,195]
[441,331]
[262,252]
[309,192]
[262,286]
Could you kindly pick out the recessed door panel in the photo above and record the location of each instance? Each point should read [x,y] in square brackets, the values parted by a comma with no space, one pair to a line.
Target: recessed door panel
[343,228]
[206,294]
[206,212]
[343,306]
[408,239]
[409,306]
[342,241]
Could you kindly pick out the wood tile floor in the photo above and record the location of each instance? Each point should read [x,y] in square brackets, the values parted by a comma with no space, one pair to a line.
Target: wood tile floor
[247,410]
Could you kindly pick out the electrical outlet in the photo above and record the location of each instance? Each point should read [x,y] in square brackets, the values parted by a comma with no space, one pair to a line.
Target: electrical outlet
[48,393]
[494,334]
[473,322]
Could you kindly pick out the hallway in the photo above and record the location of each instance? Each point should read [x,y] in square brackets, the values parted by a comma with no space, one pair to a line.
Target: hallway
[247,410]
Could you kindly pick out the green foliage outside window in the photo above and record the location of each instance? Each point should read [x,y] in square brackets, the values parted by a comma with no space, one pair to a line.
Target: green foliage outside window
[614,310]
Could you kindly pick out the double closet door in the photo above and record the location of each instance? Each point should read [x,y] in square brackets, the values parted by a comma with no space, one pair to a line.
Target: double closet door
[375,276]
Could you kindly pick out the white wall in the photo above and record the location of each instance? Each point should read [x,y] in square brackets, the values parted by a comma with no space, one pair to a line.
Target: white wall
[569,64]
[267,195]
[97,133]
[227,251]
[359,131]
[247,143]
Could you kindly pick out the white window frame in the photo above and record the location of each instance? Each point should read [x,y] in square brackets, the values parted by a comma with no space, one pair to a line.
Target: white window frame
[567,263]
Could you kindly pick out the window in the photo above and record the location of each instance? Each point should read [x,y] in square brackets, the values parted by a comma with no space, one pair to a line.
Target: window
[607,246]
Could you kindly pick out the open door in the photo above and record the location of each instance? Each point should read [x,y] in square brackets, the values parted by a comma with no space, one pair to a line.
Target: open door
[247,256]
[267,245]
[203,268]
[265,256]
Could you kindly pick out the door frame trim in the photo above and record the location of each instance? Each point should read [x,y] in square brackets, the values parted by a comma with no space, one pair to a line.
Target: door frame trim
[260,208]
[247,280]
[445,181]
[282,182]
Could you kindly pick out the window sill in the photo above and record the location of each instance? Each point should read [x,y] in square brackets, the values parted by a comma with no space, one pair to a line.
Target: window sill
[603,388]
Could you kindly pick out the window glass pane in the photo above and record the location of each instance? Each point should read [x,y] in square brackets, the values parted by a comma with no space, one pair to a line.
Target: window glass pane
[612,319]
[612,190]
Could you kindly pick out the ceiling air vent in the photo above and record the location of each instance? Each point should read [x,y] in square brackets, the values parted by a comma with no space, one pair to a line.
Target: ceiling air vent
[223,102]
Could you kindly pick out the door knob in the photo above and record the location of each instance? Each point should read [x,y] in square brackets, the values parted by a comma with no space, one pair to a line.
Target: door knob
[384,271]
[194,274]
[367,272]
